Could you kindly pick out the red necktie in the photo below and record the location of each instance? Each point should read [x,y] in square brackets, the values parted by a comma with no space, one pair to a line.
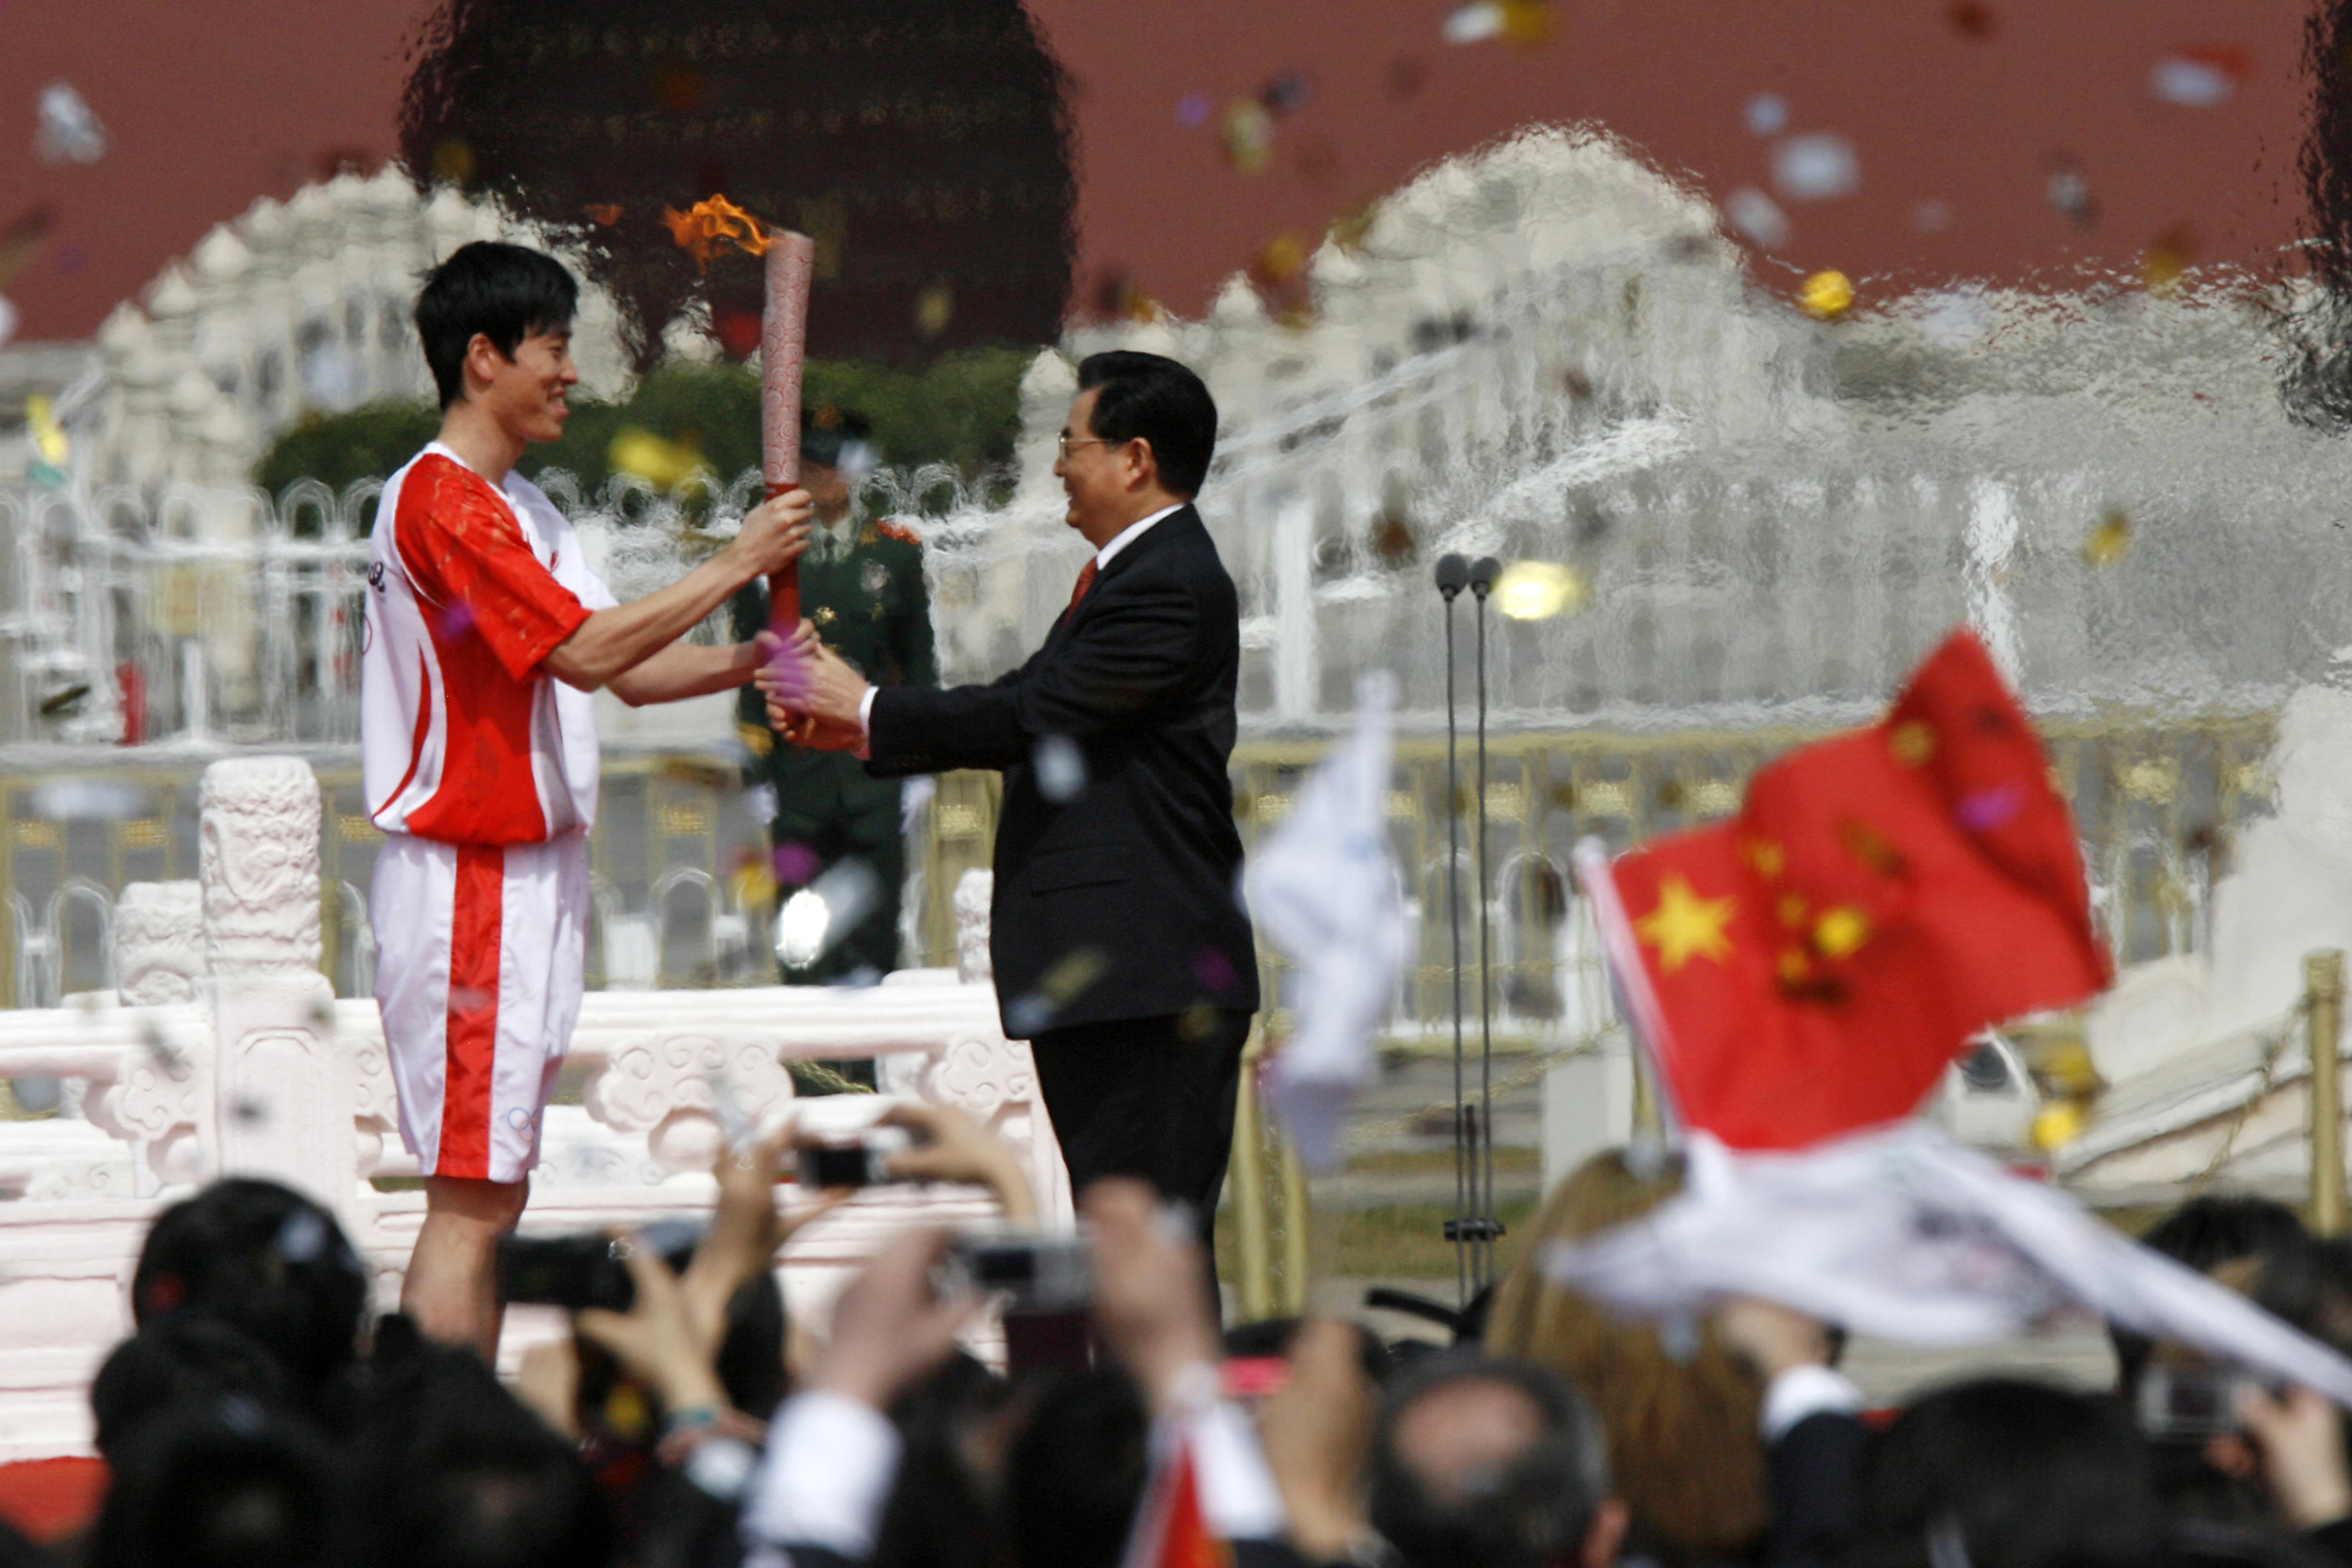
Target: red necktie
[1085,580]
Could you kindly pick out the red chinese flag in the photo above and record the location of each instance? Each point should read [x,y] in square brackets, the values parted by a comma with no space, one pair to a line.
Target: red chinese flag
[1172,1530]
[1810,967]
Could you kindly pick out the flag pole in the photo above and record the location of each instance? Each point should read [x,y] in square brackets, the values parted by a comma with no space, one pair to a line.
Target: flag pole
[2323,982]
[1453,576]
[1637,1002]
[1486,1227]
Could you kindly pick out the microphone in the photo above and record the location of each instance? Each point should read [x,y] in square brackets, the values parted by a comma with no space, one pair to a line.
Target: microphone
[1483,573]
[1452,575]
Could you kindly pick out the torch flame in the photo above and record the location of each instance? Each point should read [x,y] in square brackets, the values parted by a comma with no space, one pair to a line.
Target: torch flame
[707,227]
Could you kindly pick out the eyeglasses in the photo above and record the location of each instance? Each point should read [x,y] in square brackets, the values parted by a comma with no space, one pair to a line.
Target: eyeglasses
[1066,443]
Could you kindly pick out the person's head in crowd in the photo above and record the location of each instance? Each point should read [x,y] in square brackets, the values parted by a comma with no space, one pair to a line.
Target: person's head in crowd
[2206,1233]
[942,1509]
[1076,1470]
[451,1471]
[267,1262]
[219,1483]
[2003,1473]
[1681,1421]
[182,1358]
[1492,1463]
[836,453]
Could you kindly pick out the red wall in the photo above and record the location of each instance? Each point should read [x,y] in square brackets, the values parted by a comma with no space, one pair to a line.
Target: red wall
[211,104]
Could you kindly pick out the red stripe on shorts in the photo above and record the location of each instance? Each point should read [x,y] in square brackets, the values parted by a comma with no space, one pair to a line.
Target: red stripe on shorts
[473,1012]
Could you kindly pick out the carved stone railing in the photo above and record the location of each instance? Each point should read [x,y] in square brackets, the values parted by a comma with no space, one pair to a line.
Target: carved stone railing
[246,1063]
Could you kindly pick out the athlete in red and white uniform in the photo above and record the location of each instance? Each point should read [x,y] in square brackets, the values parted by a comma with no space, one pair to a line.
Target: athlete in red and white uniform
[483,771]
[488,636]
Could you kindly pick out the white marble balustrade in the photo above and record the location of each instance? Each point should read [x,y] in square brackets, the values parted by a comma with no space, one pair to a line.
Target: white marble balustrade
[246,1063]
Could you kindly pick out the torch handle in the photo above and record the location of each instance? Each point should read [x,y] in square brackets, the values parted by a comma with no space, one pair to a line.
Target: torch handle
[783,588]
[791,265]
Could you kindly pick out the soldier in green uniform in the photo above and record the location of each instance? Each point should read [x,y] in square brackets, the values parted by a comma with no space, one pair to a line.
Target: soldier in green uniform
[862,584]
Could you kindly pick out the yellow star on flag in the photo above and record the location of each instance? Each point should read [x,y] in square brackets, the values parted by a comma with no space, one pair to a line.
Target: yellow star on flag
[1684,926]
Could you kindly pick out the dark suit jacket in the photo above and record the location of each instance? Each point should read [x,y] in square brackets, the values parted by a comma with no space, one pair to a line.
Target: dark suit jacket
[1121,901]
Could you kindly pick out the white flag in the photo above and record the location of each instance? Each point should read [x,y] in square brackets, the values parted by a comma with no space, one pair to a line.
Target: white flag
[1901,1233]
[1324,888]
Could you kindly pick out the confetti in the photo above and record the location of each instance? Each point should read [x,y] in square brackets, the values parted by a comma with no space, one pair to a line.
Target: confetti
[2055,1126]
[606,213]
[1767,115]
[1248,135]
[2167,257]
[1473,23]
[795,863]
[1973,19]
[1537,590]
[2069,193]
[1282,258]
[48,435]
[1287,93]
[89,800]
[2108,539]
[933,308]
[452,162]
[1060,768]
[821,913]
[70,133]
[1193,110]
[1826,295]
[662,464]
[1816,166]
[2200,77]
[1932,216]
[709,225]
[1757,217]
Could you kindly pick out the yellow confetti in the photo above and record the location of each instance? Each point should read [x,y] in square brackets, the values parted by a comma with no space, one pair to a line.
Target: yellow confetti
[2167,258]
[1248,136]
[664,465]
[2108,541]
[1283,258]
[1538,590]
[40,420]
[933,308]
[2057,1125]
[1527,22]
[1826,295]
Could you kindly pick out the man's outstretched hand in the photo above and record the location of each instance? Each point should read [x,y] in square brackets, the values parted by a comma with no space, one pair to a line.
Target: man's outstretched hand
[814,696]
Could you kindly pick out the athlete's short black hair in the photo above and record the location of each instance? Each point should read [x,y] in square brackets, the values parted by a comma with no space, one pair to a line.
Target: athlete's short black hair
[1154,397]
[504,291]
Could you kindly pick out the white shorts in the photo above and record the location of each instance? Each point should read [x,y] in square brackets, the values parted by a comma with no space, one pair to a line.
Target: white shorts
[479,973]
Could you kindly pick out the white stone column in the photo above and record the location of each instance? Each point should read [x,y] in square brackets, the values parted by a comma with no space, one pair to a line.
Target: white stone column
[283,1105]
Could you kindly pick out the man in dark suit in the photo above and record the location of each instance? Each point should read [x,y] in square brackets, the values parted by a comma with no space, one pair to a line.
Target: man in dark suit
[1121,950]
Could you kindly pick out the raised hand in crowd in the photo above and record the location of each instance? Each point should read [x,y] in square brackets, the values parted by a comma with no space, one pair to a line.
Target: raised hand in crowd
[657,1339]
[890,1328]
[1316,1430]
[747,1229]
[952,1147]
[1151,1304]
[2296,1438]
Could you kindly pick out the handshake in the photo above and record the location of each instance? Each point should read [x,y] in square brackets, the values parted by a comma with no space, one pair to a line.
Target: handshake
[816,698]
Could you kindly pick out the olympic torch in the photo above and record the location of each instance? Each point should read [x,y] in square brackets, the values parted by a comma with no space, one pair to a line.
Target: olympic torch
[783,346]
[704,230]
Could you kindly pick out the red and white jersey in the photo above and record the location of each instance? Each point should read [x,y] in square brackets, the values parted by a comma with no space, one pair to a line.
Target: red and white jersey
[463,738]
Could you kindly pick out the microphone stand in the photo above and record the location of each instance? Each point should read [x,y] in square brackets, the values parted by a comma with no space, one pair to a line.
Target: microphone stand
[1453,576]
[1486,1226]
